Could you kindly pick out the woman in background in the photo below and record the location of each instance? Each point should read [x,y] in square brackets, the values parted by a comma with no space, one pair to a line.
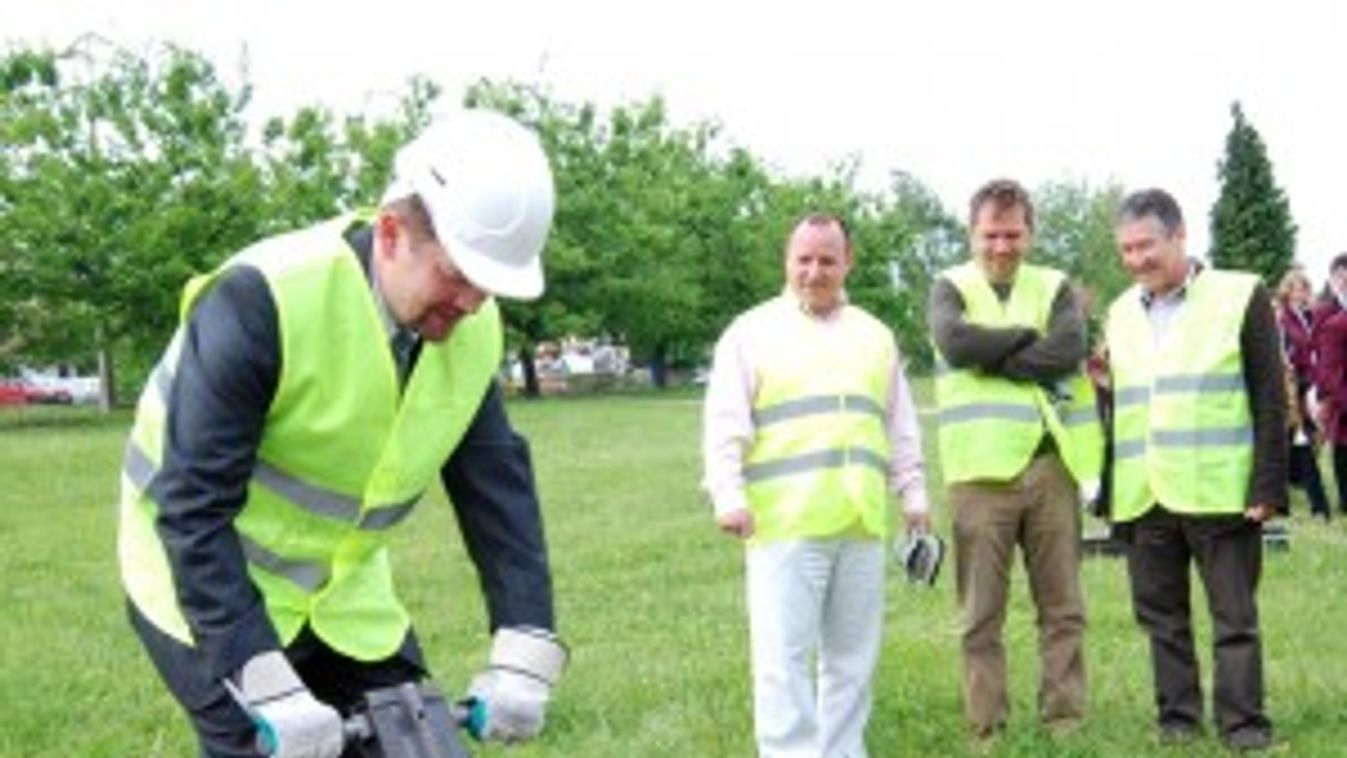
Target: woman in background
[1296,323]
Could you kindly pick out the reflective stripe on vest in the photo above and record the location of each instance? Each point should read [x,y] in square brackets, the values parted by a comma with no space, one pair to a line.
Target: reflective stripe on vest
[334,505]
[330,504]
[807,406]
[345,454]
[989,427]
[1128,397]
[958,414]
[822,459]
[1080,417]
[1183,432]
[310,497]
[1077,413]
[310,575]
[818,465]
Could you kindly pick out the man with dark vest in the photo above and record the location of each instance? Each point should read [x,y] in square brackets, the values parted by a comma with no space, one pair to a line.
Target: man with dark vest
[1019,439]
[1199,462]
[318,383]
[809,426]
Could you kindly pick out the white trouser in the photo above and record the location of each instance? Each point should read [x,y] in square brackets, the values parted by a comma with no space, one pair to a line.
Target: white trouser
[807,597]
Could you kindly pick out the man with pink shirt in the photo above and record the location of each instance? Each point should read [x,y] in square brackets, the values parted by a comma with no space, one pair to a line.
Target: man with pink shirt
[809,424]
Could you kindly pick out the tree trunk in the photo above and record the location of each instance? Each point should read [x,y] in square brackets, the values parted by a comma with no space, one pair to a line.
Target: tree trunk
[531,387]
[659,366]
[107,388]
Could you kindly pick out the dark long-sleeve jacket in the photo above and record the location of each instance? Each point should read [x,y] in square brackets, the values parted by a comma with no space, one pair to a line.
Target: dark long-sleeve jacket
[1016,353]
[1297,327]
[228,373]
[1330,371]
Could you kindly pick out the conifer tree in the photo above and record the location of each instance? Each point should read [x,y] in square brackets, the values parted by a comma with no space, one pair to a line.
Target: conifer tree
[1251,226]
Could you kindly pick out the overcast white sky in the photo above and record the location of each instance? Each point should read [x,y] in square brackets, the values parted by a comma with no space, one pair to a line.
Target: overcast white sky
[953,91]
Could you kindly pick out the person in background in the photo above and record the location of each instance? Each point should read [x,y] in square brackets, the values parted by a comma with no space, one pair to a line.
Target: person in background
[1295,322]
[1199,463]
[809,425]
[1329,341]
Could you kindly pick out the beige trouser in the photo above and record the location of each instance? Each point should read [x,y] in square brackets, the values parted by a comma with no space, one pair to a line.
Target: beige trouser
[1039,510]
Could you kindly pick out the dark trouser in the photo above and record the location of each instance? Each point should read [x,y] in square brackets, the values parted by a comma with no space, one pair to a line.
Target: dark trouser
[1303,469]
[1229,557]
[1340,473]
[1304,473]
[223,729]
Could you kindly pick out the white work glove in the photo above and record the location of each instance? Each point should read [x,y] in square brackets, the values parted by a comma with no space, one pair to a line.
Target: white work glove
[291,723]
[510,696]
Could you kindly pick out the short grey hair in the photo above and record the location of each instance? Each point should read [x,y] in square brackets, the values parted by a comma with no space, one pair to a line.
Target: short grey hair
[1153,202]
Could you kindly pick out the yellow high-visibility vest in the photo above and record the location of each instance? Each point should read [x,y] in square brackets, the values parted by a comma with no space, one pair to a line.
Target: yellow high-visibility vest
[343,457]
[989,427]
[1182,428]
[818,466]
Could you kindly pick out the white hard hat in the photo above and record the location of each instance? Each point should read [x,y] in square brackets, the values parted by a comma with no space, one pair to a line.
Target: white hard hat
[485,181]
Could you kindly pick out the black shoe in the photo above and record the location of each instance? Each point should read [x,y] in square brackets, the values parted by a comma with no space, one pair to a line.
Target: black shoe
[1248,739]
[1179,733]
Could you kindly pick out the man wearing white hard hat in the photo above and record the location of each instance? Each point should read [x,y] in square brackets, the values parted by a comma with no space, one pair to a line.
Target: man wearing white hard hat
[317,384]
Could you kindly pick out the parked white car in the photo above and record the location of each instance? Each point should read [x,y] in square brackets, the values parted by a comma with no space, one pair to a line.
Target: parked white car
[81,389]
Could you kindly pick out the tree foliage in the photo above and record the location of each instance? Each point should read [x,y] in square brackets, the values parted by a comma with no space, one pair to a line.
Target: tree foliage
[1251,226]
[654,234]
[124,173]
[317,163]
[904,237]
[1075,226]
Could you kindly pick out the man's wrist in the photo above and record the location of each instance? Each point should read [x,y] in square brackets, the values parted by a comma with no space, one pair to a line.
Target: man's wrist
[729,502]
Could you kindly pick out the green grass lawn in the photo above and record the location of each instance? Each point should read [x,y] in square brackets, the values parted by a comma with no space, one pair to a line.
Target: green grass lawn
[650,600]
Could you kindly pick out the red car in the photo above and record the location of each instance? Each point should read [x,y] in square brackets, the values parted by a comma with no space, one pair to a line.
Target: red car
[22,392]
